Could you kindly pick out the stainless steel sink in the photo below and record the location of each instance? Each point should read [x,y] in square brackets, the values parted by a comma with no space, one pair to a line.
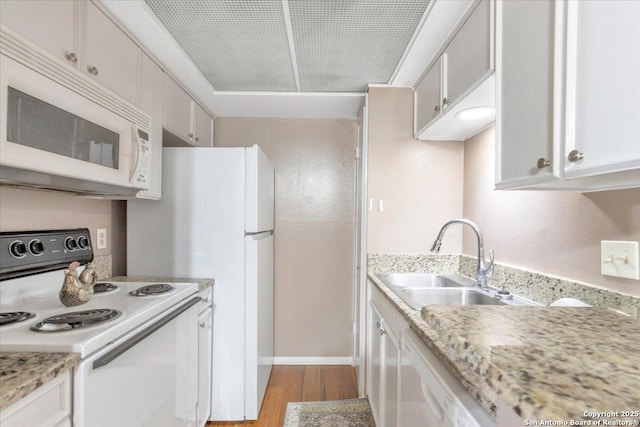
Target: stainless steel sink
[424,280]
[417,298]
[420,289]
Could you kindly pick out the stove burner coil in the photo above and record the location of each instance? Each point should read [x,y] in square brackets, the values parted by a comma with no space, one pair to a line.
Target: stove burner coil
[103,287]
[75,320]
[155,289]
[15,317]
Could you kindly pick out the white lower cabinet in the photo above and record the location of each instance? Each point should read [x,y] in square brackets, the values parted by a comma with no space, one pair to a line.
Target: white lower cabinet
[47,406]
[407,385]
[205,341]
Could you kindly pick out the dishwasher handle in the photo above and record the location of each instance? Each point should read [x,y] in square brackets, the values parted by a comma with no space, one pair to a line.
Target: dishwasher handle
[119,350]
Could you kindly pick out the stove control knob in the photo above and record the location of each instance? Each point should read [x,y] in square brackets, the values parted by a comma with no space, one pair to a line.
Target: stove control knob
[36,247]
[70,243]
[18,249]
[83,242]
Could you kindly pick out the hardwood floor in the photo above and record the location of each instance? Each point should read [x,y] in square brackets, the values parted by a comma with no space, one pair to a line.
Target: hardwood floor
[300,384]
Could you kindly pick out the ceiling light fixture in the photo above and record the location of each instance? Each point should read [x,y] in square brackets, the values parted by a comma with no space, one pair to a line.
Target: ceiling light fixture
[476,113]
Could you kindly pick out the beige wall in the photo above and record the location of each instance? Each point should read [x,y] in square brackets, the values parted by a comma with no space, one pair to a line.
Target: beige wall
[420,182]
[553,232]
[41,210]
[314,228]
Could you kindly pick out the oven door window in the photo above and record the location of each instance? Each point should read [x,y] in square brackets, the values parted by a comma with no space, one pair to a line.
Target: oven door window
[58,131]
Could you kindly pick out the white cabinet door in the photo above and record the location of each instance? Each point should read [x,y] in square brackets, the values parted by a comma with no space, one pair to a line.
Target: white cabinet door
[150,101]
[602,87]
[177,116]
[469,54]
[205,331]
[110,57]
[525,78]
[391,361]
[428,96]
[203,127]
[48,24]
[375,362]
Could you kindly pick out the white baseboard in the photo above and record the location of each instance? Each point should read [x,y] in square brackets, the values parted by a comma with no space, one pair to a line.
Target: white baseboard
[347,360]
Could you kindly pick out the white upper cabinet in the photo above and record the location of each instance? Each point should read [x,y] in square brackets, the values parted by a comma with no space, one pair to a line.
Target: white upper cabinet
[462,77]
[110,56]
[178,111]
[203,128]
[188,124]
[81,34]
[48,24]
[568,90]
[602,132]
[525,91]
[428,95]
[469,54]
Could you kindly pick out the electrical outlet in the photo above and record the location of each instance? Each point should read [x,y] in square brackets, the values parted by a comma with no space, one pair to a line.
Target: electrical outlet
[101,236]
[620,259]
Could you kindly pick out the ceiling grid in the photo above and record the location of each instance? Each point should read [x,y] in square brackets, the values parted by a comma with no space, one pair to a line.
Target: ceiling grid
[292,45]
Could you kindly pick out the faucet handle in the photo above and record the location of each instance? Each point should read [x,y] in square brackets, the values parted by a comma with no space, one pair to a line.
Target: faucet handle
[488,271]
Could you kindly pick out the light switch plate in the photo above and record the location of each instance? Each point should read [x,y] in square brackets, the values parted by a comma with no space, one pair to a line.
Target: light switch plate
[620,259]
[101,236]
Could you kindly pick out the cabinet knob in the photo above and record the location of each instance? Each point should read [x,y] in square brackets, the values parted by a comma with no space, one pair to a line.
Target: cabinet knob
[543,163]
[197,138]
[377,324]
[445,102]
[72,57]
[382,332]
[202,325]
[437,109]
[205,300]
[92,70]
[191,135]
[575,156]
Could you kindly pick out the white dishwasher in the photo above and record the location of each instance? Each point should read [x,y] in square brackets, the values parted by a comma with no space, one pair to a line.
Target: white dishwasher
[430,396]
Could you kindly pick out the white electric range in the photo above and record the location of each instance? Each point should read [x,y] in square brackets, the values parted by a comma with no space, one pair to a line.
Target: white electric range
[137,341]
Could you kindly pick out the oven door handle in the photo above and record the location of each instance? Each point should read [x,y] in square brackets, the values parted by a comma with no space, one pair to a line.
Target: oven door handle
[119,350]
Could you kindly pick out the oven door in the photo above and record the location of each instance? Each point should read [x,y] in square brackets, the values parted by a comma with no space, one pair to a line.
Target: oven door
[146,378]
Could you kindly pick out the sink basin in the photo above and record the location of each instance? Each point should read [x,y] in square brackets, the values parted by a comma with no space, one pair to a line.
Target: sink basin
[420,289]
[424,280]
[417,297]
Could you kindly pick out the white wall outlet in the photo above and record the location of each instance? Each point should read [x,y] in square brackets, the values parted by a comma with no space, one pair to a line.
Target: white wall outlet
[620,259]
[101,236]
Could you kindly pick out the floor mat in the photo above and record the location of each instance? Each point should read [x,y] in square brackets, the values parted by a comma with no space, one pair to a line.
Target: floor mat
[331,413]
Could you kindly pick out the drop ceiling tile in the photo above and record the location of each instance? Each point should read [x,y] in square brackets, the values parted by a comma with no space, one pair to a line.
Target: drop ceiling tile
[238,45]
[342,45]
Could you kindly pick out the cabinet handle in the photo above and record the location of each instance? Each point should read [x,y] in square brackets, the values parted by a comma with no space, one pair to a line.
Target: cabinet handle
[92,70]
[543,163]
[436,109]
[202,325]
[72,57]
[575,156]
[445,102]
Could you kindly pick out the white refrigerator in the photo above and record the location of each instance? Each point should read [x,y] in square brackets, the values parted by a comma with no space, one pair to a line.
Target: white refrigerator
[215,220]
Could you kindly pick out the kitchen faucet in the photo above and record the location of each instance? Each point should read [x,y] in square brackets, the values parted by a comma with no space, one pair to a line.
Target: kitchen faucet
[483,271]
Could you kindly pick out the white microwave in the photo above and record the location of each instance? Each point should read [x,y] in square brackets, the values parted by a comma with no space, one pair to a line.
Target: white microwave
[58,122]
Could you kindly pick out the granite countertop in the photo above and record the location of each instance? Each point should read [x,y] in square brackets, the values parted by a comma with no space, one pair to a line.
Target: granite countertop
[21,373]
[203,284]
[547,363]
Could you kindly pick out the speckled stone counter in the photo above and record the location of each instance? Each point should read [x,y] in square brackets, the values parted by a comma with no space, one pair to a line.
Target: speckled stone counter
[21,373]
[202,283]
[547,363]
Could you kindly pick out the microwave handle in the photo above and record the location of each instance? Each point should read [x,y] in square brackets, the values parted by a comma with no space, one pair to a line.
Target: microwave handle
[137,146]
